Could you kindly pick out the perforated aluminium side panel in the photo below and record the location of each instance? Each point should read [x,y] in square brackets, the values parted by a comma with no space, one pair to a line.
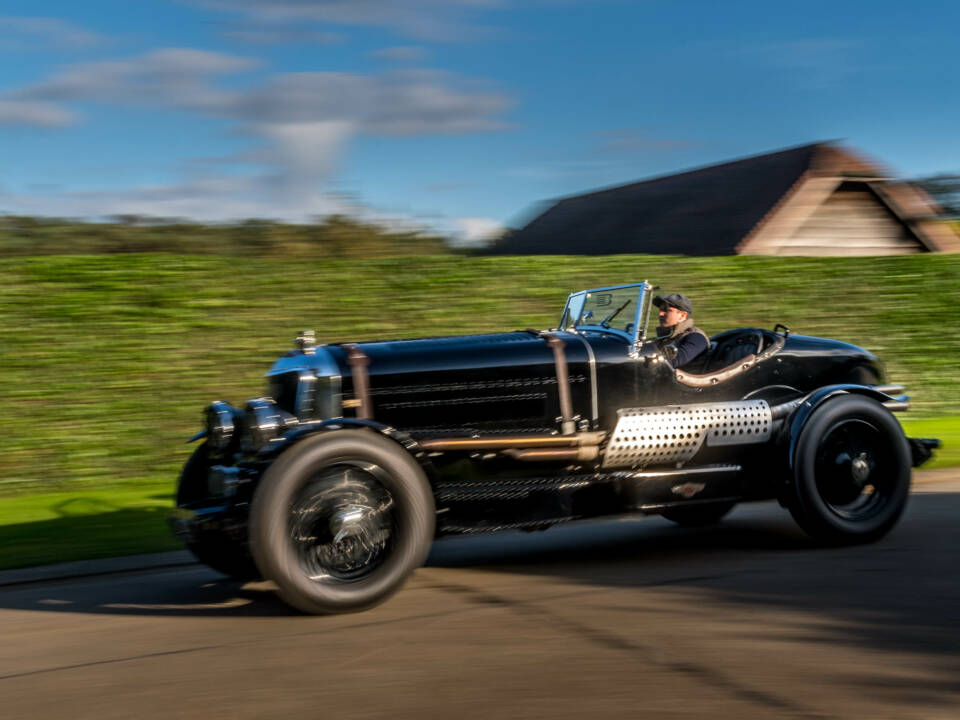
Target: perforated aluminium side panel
[673,434]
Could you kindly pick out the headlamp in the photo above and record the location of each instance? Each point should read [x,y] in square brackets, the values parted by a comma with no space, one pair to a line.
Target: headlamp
[221,425]
[263,421]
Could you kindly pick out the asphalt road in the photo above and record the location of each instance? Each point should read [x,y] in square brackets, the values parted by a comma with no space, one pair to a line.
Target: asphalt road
[614,619]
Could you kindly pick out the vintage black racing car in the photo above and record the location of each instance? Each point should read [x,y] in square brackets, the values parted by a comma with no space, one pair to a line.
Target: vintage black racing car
[335,484]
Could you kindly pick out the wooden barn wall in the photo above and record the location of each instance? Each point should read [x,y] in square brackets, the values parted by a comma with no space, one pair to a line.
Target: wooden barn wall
[852,221]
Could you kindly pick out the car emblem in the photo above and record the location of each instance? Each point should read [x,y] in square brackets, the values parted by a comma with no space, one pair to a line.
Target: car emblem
[688,489]
[860,469]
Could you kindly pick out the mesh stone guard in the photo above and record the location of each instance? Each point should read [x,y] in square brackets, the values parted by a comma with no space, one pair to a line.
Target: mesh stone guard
[674,433]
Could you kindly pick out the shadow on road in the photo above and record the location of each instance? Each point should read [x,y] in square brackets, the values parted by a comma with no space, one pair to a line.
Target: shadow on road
[902,593]
[184,591]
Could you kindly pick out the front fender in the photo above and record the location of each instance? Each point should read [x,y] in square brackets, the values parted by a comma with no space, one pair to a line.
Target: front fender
[274,448]
[798,419]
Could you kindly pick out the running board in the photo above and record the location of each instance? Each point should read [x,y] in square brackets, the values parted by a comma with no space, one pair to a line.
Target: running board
[681,472]
[648,490]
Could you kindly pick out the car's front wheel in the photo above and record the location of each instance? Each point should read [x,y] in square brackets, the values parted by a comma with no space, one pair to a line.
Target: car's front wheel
[340,520]
[851,471]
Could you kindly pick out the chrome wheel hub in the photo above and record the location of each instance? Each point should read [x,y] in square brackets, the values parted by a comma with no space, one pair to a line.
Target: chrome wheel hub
[357,538]
[853,470]
[860,469]
[342,523]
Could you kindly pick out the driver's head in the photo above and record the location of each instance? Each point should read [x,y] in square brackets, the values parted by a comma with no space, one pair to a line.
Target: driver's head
[674,308]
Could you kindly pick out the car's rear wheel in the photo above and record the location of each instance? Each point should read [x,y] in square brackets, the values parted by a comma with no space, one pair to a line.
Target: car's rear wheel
[698,515]
[851,471]
[340,520]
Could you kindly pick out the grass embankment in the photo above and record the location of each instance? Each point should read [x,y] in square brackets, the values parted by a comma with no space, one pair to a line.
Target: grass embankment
[106,361]
[86,524]
[947,429]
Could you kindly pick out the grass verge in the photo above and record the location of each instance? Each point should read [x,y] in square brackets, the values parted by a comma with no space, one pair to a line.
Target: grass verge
[106,361]
[946,429]
[59,527]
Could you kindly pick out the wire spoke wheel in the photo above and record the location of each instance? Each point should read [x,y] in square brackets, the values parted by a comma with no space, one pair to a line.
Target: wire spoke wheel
[341,522]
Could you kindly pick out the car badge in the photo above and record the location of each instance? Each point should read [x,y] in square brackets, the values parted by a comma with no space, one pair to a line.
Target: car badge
[688,489]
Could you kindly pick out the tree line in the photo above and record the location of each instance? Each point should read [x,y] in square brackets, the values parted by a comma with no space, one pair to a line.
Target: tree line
[331,236]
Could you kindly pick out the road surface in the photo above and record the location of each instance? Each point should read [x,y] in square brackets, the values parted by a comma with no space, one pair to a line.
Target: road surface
[621,618]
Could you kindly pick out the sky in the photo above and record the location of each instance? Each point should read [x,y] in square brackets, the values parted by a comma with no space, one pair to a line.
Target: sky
[460,116]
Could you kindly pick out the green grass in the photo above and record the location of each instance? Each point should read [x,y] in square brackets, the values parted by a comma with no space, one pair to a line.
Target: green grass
[947,430]
[106,361]
[59,527]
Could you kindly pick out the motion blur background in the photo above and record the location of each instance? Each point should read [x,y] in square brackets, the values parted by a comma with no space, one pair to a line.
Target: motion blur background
[186,184]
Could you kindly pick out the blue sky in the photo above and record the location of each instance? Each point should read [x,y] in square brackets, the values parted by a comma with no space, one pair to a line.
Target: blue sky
[460,115]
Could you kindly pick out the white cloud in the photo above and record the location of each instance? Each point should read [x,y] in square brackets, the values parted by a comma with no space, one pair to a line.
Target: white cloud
[35,114]
[302,123]
[407,102]
[411,102]
[177,77]
[474,231]
[434,20]
[303,154]
[227,199]
[212,199]
[24,33]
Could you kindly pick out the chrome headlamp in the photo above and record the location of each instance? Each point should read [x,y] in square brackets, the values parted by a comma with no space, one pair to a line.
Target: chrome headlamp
[263,421]
[220,424]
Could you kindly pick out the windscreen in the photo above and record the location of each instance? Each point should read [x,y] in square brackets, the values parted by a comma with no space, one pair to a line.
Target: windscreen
[606,308]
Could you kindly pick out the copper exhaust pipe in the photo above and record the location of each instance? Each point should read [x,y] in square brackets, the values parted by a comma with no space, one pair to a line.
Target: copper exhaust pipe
[586,452]
[515,441]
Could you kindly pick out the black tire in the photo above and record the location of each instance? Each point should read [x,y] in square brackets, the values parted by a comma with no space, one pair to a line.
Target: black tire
[225,555]
[192,483]
[851,472]
[340,520]
[698,515]
[220,552]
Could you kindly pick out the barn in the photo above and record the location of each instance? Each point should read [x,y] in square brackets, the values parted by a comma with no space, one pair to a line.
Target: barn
[818,199]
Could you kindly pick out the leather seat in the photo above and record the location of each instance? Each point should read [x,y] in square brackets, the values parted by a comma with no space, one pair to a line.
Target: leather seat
[726,353]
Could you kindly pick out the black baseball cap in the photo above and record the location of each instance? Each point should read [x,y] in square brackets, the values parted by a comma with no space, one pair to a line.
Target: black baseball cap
[680,302]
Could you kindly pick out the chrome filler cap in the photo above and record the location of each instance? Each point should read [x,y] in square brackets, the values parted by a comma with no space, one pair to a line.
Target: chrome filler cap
[306,341]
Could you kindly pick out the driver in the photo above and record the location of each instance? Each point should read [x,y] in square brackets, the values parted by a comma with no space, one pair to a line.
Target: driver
[677,337]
